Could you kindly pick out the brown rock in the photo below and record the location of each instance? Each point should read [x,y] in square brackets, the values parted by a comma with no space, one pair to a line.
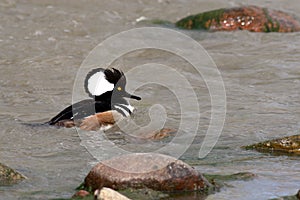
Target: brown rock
[251,18]
[161,134]
[81,194]
[146,170]
[9,176]
[289,145]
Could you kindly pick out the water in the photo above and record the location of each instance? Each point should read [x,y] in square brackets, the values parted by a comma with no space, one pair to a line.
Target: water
[44,42]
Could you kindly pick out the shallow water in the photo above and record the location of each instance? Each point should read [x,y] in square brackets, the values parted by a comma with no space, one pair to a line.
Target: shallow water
[44,42]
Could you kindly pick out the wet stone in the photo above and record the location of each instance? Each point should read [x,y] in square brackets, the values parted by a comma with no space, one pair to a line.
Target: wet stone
[81,194]
[221,180]
[251,18]
[146,170]
[9,176]
[287,145]
[293,197]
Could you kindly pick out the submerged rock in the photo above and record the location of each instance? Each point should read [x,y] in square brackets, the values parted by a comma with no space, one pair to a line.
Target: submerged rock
[146,170]
[145,193]
[293,197]
[287,145]
[161,134]
[221,180]
[9,176]
[251,18]
[231,177]
[81,194]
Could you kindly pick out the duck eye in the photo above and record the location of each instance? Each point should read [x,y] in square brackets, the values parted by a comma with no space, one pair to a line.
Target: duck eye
[119,88]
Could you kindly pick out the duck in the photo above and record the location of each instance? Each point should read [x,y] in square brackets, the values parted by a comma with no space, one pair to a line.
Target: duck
[107,103]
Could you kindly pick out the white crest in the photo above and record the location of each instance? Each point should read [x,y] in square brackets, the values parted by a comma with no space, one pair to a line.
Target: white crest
[97,84]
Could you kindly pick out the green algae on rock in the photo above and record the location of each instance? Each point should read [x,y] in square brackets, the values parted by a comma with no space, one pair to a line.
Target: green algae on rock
[287,145]
[221,180]
[9,176]
[206,20]
[251,18]
[231,177]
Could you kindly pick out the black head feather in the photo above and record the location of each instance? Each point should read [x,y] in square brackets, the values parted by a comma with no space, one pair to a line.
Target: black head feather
[114,76]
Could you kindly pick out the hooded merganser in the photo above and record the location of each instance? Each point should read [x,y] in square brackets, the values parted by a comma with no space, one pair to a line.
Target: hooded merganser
[106,87]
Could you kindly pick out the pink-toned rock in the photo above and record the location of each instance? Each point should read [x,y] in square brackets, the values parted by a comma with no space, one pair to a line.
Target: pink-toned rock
[81,194]
[146,170]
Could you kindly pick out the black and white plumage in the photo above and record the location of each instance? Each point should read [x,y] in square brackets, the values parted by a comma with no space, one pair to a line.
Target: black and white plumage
[106,87]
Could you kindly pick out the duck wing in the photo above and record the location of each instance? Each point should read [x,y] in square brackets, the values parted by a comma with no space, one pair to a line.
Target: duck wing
[80,110]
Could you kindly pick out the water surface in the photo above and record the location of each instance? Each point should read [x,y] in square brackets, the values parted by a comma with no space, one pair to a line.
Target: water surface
[44,42]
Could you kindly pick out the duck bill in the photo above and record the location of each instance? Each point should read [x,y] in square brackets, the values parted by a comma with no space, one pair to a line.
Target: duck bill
[126,94]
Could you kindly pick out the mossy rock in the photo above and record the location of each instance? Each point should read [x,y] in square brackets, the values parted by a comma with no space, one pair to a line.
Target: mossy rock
[251,18]
[287,145]
[9,176]
[204,21]
[221,180]
[241,176]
